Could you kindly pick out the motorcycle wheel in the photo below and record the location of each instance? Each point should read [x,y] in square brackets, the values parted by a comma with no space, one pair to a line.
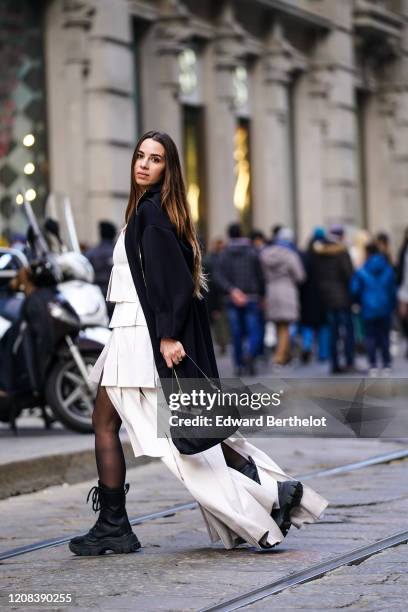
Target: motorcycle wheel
[68,396]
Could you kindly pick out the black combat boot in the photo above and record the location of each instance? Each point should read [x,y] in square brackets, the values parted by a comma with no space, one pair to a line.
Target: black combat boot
[112,531]
[290,494]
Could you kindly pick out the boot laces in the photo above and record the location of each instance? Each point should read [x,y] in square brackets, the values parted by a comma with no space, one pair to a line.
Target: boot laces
[96,500]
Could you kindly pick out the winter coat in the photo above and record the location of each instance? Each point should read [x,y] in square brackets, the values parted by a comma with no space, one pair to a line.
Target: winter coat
[312,310]
[373,286]
[283,272]
[333,270]
[162,273]
[238,266]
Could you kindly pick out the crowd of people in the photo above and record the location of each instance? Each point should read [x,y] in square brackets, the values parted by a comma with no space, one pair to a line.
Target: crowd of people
[330,300]
[327,302]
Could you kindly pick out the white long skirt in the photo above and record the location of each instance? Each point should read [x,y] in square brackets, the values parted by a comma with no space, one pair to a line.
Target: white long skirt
[233,505]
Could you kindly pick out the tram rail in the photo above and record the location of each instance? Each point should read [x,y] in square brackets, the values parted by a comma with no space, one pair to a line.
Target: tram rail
[167,512]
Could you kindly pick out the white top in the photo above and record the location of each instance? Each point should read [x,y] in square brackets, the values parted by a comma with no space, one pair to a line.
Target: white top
[127,359]
[121,287]
[121,290]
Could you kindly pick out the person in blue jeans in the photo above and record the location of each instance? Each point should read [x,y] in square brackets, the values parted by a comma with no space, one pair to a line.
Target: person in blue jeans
[341,326]
[373,287]
[239,275]
[245,321]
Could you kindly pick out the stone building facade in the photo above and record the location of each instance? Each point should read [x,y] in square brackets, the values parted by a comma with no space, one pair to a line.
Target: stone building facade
[285,111]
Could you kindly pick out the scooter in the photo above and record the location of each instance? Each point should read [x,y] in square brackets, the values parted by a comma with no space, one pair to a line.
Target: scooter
[80,311]
[45,356]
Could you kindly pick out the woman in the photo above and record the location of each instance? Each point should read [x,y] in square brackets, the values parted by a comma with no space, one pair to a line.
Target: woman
[313,322]
[283,272]
[159,320]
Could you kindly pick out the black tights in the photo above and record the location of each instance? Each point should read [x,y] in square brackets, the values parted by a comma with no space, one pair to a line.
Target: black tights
[109,455]
[232,458]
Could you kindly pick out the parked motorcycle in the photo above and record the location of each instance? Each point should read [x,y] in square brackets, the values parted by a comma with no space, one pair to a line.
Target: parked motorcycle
[75,312]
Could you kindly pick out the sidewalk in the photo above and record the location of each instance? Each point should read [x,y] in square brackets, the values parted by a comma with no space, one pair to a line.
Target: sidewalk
[37,457]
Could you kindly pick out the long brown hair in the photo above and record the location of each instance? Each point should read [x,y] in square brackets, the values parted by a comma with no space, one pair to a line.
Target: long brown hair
[173,200]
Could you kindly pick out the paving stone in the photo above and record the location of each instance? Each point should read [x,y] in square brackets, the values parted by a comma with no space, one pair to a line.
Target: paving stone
[179,570]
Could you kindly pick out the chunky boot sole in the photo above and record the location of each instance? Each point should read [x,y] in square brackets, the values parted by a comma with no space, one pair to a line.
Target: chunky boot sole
[290,495]
[123,544]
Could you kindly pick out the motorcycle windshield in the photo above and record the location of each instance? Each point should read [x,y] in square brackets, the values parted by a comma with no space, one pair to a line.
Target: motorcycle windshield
[58,208]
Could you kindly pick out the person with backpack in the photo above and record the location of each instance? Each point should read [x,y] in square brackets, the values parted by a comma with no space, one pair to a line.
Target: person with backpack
[373,287]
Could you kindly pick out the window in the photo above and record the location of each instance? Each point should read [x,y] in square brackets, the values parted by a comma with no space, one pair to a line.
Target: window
[242,190]
[23,147]
[194,165]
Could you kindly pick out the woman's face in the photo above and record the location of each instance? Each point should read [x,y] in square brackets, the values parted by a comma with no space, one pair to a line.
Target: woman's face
[150,163]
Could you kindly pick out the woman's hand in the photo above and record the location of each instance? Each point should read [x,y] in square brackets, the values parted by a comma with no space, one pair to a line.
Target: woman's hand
[172,351]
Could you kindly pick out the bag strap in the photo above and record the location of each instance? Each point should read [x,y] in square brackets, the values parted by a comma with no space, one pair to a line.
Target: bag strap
[178,382]
[213,386]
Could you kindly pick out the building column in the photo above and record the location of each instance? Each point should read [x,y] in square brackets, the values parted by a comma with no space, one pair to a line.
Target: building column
[399,217]
[220,61]
[110,115]
[170,35]
[273,184]
[335,53]
[386,133]
[67,62]
[90,108]
[399,194]
[387,177]
[379,142]
[311,128]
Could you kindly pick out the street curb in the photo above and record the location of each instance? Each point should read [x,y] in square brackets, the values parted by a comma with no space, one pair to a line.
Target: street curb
[30,475]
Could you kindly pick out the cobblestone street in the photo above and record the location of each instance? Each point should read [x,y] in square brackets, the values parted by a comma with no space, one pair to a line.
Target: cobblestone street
[177,569]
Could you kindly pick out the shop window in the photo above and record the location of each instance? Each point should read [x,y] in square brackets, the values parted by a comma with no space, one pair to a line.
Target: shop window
[23,150]
[193,147]
[242,190]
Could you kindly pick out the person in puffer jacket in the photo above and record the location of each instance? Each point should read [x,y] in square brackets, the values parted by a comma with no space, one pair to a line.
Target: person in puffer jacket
[373,286]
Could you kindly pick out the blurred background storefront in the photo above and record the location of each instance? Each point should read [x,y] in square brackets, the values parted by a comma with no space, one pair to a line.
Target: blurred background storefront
[286,111]
[23,123]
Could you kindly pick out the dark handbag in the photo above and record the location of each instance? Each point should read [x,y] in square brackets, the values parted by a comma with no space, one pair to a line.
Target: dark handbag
[192,439]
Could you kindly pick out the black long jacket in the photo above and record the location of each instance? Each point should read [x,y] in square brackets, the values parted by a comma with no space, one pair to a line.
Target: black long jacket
[332,269]
[161,264]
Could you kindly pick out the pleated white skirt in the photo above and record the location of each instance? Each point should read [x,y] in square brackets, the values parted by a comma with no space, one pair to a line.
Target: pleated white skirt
[233,505]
